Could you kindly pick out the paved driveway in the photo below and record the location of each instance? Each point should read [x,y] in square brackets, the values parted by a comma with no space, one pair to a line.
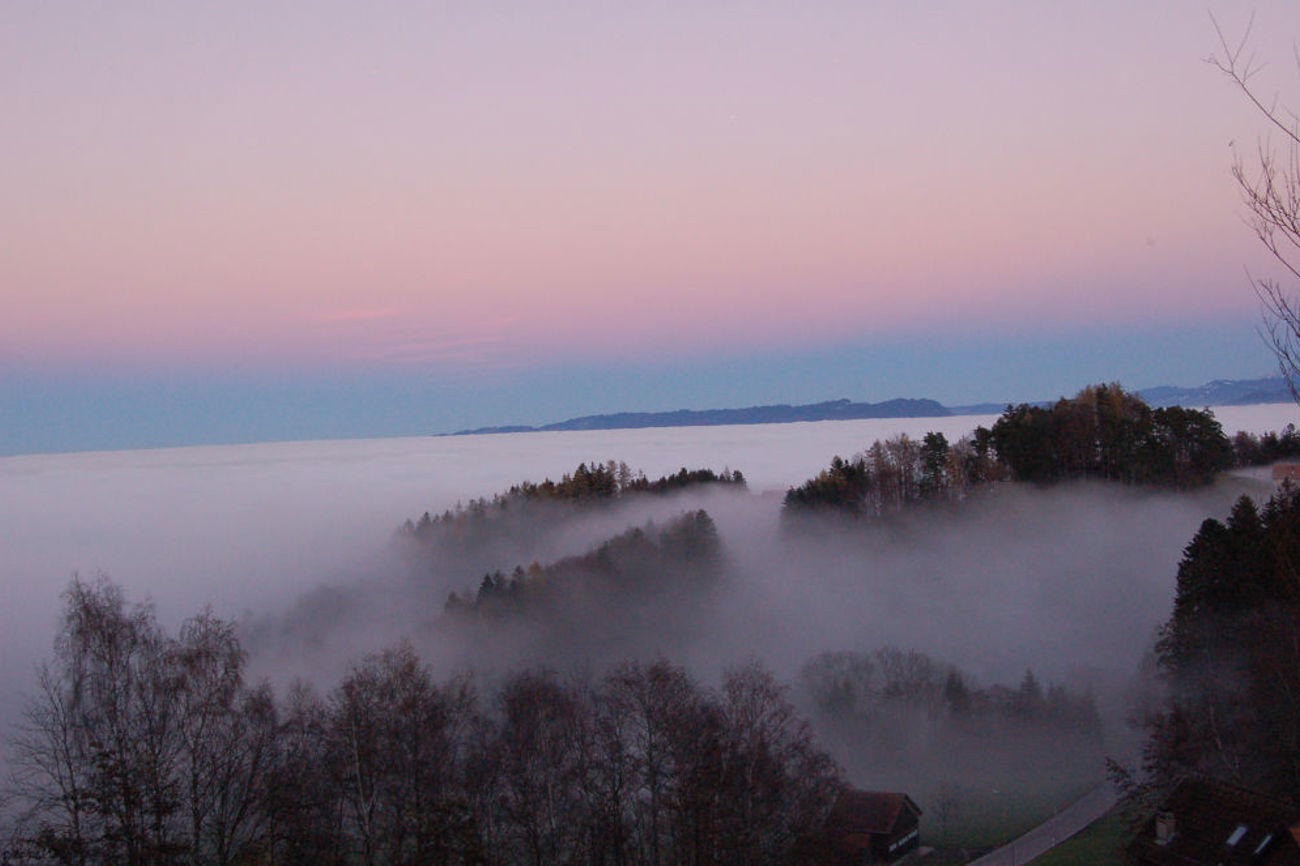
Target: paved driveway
[1053,831]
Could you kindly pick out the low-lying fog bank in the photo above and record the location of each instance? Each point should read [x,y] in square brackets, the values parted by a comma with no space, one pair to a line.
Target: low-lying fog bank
[1069,581]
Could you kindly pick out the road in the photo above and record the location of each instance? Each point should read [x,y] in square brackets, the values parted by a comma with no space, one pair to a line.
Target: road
[1053,831]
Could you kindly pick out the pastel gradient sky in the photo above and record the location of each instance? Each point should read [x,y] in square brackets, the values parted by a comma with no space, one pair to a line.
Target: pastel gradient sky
[243,220]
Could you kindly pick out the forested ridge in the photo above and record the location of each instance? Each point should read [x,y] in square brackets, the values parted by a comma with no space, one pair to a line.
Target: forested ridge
[509,526]
[590,484]
[632,567]
[1103,433]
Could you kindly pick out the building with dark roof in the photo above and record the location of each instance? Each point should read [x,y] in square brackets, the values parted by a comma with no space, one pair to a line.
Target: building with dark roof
[872,827]
[1205,821]
[1286,473]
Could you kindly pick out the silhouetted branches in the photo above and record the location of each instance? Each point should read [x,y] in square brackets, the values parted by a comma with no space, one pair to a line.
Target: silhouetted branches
[142,748]
[1269,182]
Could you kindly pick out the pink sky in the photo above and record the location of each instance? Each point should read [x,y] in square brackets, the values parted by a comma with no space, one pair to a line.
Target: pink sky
[480,185]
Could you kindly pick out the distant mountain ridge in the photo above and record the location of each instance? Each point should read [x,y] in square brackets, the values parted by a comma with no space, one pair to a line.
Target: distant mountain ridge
[1220,392]
[831,410]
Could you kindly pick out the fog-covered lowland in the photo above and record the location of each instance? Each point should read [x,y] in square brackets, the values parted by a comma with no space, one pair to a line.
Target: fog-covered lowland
[251,527]
[305,544]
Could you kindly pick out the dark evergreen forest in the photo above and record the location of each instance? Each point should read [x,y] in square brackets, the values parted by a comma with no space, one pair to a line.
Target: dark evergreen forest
[1224,700]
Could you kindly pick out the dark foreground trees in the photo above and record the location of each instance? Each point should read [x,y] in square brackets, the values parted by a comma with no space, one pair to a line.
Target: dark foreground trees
[141,748]
[1230,656]
[144,748]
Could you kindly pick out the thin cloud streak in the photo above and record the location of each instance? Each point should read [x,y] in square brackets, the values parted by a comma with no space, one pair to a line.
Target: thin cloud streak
[487,345]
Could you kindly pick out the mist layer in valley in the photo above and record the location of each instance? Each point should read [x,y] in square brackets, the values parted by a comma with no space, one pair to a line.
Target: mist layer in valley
[1065,579]
[301,543]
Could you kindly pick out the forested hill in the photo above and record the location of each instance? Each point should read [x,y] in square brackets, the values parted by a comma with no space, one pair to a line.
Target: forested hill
[831,410]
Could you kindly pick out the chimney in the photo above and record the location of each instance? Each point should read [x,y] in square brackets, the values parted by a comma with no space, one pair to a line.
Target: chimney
[1164,827]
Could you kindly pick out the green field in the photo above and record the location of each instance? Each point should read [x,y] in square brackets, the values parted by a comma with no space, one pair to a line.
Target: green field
[981,819]
[1098,845]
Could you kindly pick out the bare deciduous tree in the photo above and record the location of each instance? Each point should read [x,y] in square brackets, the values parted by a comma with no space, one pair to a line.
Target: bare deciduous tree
[1270,187]
[139,748]
[540,753]
[396,738]
[145,749]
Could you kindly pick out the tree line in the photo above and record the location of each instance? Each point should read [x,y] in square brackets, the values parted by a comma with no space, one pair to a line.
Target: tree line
[507,529]
[895,474]
[1106,433]
[903,712]
[1251,450]
[588,484]
[141,747]
[1102,433]
[871,686]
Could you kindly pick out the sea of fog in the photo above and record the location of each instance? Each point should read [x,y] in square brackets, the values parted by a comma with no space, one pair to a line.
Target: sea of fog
[250,528]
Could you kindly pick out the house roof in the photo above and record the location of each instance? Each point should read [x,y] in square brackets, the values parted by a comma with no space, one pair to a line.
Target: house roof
[873,812]
[1219,823]
[1286,472]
